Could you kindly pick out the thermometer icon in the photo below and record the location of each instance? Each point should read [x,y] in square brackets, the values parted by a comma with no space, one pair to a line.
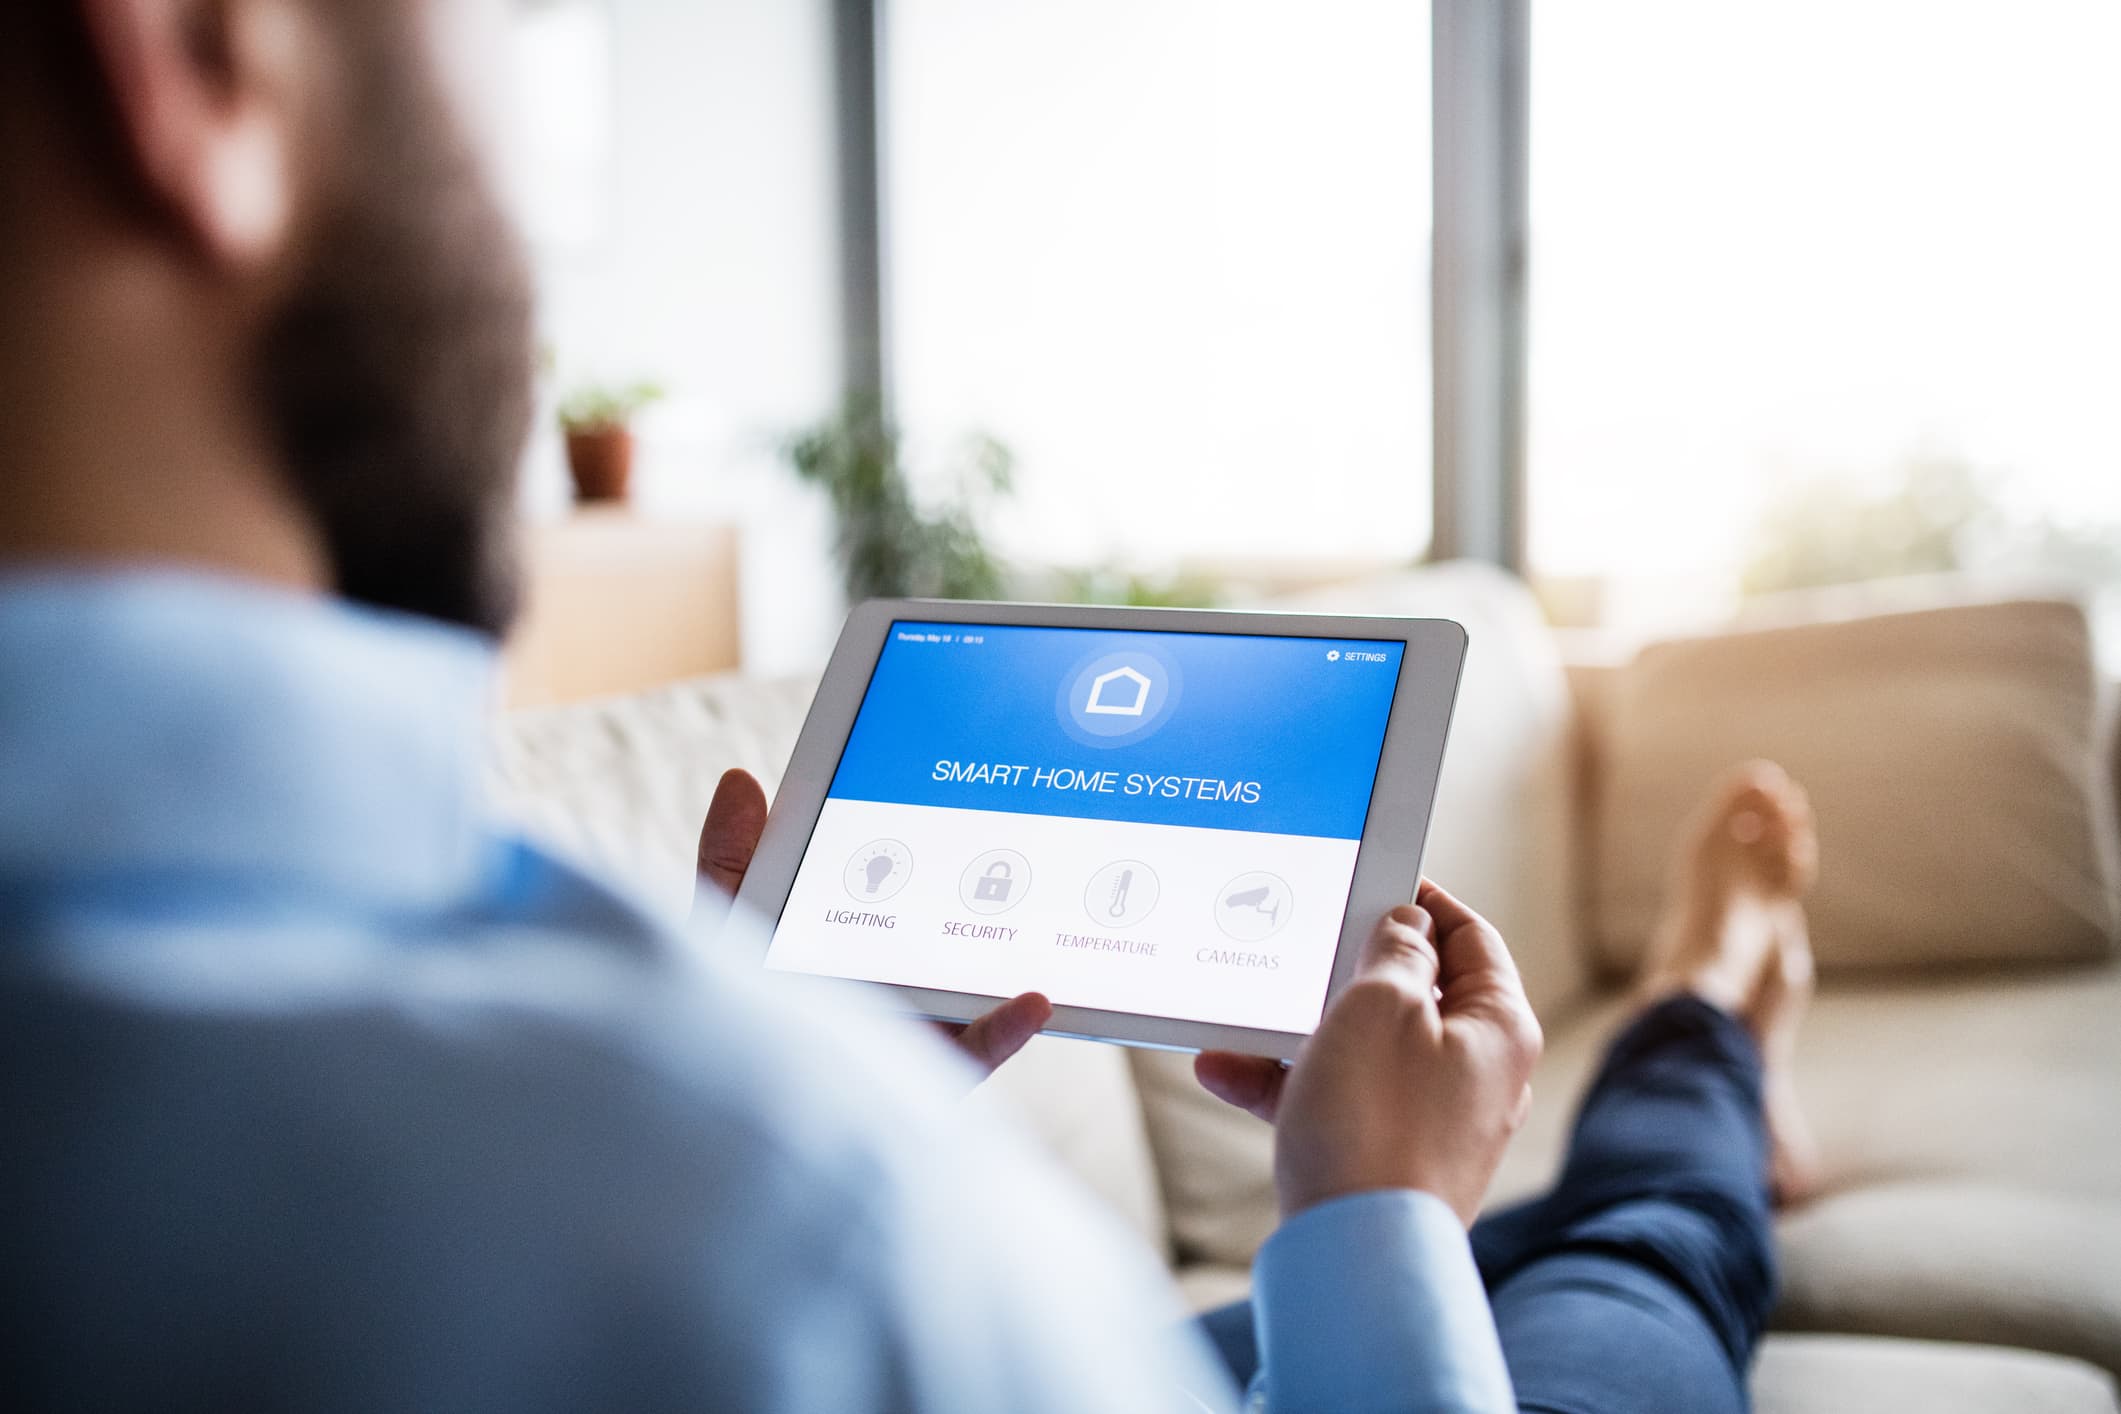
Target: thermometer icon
[1121,894]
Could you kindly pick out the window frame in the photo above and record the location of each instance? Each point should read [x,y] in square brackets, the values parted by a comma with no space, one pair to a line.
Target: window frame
[1480,60]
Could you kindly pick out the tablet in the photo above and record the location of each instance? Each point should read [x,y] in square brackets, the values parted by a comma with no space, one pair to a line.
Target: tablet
[1179,825]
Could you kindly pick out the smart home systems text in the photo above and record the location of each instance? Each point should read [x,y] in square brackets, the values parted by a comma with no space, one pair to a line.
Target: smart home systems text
[1070,778]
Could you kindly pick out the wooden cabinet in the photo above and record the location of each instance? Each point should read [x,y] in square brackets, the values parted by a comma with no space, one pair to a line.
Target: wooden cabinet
[615,603]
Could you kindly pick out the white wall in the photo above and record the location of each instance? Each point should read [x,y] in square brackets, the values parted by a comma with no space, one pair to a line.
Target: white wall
[715,273]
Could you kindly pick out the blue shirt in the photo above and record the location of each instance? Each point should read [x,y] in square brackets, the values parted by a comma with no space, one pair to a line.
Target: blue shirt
[320,1092]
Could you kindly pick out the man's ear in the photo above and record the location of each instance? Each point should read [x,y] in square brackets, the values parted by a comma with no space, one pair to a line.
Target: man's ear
[206,100]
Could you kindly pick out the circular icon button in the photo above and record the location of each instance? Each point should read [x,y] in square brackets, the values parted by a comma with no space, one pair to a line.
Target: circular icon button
[1121,894]
[1253,907]
[1114,699]
[995,882]
[878,870]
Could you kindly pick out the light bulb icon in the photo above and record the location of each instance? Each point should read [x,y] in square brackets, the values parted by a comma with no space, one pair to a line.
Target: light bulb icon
[877,871]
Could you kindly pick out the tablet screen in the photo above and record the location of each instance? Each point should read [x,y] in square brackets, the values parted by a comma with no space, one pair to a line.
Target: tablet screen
[1162,824]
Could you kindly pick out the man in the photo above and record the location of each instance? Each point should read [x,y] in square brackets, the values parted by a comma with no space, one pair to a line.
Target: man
[318,1093]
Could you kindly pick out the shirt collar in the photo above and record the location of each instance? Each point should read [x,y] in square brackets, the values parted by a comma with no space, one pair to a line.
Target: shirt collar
[158,722]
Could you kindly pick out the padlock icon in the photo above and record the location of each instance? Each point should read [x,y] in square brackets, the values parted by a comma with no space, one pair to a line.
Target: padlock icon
[995,884]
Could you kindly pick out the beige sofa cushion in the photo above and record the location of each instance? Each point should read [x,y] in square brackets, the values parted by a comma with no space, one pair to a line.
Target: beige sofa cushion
[1953,757]
[621,784]
[1215,1163]
[1973,1159]
[1205,1286]
[1859,1375]
[1078,1099]
[1960,1261]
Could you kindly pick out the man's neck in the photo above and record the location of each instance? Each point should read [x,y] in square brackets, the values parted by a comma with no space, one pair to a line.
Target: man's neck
[225,523]
[115,373]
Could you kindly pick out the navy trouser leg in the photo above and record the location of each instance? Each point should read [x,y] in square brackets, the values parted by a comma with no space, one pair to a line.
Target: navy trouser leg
[1640,1284]
[1229,1329]
[1642,1281]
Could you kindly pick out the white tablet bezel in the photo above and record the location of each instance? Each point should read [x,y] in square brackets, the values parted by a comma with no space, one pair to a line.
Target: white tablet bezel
[1388,859]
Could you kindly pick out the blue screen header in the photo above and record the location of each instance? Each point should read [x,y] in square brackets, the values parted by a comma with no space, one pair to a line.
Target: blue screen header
[1221,731]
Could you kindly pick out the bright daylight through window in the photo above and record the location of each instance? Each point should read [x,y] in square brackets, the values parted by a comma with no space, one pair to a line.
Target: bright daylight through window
[1821,291]
[1173,254]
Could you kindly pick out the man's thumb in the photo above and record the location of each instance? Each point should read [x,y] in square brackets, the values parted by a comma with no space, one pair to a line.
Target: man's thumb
[1402,949]
[735,820]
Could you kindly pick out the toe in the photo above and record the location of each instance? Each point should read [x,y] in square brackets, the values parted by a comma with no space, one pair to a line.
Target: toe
[1760,809]
[1759,774]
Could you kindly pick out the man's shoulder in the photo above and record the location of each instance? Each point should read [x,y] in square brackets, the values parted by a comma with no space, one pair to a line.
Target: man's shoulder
[513,1110]
[547,1003]
[493,1021]
[506,1146]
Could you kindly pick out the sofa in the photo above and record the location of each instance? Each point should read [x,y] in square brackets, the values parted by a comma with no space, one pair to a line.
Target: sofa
[1963,1060]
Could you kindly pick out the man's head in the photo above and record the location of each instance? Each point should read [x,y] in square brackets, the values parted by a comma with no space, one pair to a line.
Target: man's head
[266,279]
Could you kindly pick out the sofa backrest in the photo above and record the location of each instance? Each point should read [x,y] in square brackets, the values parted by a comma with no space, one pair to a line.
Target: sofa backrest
[1957,761]
[622,784]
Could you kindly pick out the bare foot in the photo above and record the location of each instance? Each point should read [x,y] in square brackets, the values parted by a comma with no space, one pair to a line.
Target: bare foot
[1734,934]
[1794,1169]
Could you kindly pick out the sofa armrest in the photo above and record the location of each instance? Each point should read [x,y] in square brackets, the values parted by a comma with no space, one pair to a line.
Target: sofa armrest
[1594,665]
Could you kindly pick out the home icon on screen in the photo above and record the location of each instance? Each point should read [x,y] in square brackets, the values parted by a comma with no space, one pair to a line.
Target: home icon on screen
[1109,697]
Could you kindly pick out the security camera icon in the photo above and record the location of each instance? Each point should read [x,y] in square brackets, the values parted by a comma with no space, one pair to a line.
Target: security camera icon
[1259,900]
[1253,907]
[1123,692]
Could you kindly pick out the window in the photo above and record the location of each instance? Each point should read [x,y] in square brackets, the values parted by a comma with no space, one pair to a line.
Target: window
[563,81]
[1821,289]
[1174,254]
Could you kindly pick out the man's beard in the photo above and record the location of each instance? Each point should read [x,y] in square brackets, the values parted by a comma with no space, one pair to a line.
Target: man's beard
[397,374]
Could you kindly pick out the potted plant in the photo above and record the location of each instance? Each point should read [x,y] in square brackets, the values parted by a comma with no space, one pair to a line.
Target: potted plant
[889,545]
[598,422]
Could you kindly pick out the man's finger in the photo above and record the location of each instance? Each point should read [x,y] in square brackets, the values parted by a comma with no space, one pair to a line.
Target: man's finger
[1402,950]
[1252,1083]
[1471,954]
[1478,980]
[1449,913]
[735,820]
[1003,1032]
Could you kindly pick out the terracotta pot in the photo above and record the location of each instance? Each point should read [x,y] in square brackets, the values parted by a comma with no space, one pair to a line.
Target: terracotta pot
[601,459]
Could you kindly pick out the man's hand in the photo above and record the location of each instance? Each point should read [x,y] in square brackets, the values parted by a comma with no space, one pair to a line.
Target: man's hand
[730,836]
[1400,1087]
